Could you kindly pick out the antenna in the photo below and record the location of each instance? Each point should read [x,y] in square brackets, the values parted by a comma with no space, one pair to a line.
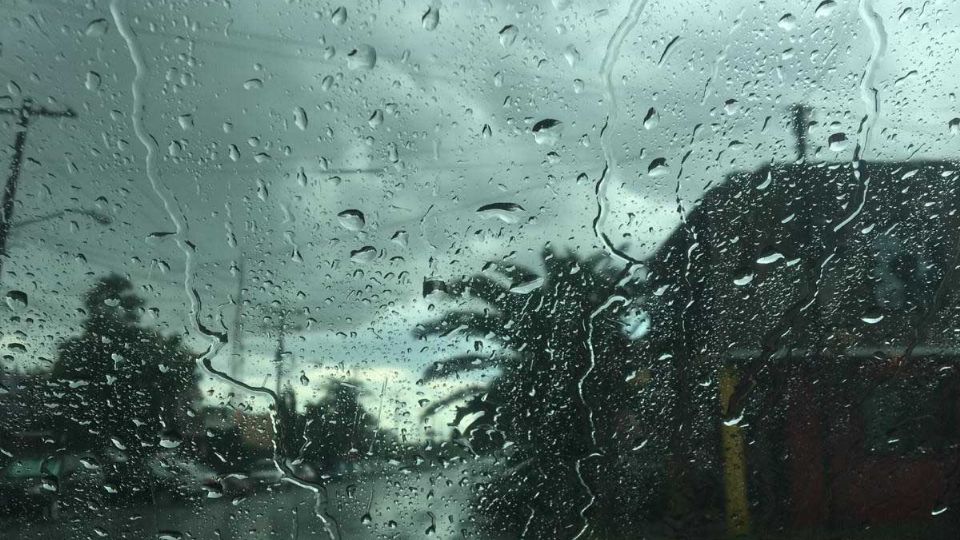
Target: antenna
[800,121]
[24,114]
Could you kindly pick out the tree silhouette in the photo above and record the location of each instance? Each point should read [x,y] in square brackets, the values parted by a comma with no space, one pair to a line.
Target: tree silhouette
[119,386]
[339,430]
[564,411]
[331,433]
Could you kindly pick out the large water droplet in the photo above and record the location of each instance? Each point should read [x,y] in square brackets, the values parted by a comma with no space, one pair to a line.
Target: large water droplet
[375,119]
[92,82]
[97,28]
[300,118]
[431,18]
[770,258]
[339,16]
[838,142]
[571,55]
[508,35]
[253,84]
[363,57]
[16,300]
[547,131]
[825,8]
[170,440]
[652,119]
[658,167]
[507,212]
[363,255]
[352,220]
[787,22]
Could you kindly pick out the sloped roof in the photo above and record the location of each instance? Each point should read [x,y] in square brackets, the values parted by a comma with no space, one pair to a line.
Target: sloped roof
[790,255]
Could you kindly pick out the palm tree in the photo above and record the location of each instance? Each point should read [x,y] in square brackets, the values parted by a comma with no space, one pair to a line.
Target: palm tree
[562,410]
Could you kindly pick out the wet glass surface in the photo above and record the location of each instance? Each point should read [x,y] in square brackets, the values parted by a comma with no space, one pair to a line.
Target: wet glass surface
[492,269]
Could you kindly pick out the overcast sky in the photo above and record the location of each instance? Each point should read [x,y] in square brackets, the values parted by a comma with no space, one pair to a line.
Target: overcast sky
[267,128]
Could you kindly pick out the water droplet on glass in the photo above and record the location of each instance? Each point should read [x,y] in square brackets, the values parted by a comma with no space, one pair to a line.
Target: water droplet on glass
[253,84]
[170,441]
[93,81]
[730,422]
[97,28]
[743,280]
[871,319]
[658,167]
[787,22]
[954,126]
[572,55]
[838,142]
[508,34]
[486,132]
[363,255]
[376,118]
[731,106]
[339,16]
[547,131]
[352,220]
[185,121]
[652,119]
[234,152]
[400,238]
[363,57]
[527,287]
[16,300]
[300,118]
[506,212]
[825,8]
[366,518]
[431,18]
[770,258]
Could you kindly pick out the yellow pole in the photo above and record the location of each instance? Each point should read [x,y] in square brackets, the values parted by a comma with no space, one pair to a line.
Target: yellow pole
[734,462]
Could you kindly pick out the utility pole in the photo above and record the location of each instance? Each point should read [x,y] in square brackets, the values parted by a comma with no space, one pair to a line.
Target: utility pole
[236,353]
[24,114]
[278,355]
[801,122]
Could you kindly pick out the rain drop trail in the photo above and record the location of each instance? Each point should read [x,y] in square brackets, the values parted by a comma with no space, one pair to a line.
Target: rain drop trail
[161,191]
[869,95]
[593,498]
[593,428]
[216,339]
[610,58]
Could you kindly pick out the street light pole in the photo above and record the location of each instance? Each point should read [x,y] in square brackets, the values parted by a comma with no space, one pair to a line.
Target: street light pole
[24,114]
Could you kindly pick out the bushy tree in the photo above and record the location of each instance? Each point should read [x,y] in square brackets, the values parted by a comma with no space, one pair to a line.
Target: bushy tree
[331,433]
[120,389]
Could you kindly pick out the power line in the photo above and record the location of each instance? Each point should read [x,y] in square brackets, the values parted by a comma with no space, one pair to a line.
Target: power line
[23,114]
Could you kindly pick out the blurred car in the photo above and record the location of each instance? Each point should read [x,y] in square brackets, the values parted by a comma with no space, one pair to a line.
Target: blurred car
[175,474]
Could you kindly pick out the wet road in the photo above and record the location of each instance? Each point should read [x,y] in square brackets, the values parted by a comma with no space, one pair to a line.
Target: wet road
[404,504]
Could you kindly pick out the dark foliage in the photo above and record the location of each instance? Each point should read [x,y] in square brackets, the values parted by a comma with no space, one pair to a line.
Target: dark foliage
[120,391]
[564,414]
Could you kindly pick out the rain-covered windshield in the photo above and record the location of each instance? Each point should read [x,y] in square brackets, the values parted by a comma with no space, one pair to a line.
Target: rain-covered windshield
[479,269]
